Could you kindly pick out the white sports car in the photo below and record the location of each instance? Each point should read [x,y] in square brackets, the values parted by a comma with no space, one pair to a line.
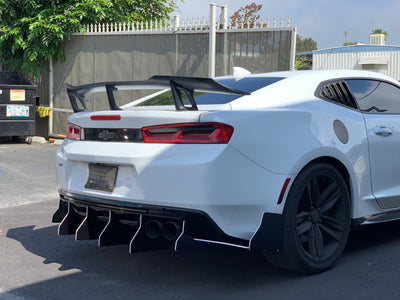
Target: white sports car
[282,163]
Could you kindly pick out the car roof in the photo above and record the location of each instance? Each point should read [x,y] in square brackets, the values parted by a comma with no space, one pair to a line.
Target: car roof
[297,87]
[319,75]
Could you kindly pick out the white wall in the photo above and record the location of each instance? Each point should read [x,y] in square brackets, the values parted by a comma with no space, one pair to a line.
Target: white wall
[350,61]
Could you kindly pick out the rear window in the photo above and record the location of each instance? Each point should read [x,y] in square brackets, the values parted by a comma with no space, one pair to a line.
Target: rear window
[247,84]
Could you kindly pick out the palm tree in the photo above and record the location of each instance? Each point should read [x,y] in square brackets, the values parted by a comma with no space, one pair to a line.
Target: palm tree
[380,31]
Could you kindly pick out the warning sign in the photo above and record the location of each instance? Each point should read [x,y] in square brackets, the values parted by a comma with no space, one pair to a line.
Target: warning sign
[17,95]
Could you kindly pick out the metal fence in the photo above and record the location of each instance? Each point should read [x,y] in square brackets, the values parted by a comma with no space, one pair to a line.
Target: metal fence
[139,50]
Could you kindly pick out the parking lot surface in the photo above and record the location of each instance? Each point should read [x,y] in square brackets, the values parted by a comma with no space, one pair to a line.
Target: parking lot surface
[35,263]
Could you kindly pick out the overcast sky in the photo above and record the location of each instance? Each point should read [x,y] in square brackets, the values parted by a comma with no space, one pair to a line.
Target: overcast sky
[323,20]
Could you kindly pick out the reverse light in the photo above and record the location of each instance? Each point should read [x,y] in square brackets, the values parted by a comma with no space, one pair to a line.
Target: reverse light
[74,132]
[188,133]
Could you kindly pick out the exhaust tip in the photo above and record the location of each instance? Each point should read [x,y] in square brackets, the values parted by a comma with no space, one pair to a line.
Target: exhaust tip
[152,229]
[170,230]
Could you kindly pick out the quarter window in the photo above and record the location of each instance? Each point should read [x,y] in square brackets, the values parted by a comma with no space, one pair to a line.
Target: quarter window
[336,91]
[375,96]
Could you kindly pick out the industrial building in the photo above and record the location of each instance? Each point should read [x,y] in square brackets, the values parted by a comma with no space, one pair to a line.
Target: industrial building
[375,57]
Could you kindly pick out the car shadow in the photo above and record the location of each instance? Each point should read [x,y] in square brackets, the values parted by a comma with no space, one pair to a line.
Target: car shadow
[369,236]
[111,272]
[12,140]
[124,274]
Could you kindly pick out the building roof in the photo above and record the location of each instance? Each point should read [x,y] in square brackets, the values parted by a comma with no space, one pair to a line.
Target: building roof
[357,48]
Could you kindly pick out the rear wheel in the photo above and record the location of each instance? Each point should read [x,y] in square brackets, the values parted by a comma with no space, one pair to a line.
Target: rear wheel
[316,220]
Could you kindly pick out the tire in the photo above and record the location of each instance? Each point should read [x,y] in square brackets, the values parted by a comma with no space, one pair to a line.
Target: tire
[316,221]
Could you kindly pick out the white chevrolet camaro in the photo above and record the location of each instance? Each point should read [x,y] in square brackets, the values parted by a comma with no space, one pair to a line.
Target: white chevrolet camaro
[283,163]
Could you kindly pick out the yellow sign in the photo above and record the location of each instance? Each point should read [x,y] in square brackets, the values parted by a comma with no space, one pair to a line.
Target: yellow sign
[17,95]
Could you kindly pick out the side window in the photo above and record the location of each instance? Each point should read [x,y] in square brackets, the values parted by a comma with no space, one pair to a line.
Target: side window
[375,97]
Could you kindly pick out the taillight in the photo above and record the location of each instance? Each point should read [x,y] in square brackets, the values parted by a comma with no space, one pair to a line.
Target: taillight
[105,117]
[74,132]
[188,133]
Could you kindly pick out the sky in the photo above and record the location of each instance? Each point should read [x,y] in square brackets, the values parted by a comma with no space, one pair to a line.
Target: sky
[325,21]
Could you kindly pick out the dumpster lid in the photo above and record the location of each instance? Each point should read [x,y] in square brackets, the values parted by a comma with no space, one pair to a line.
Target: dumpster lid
[14,80]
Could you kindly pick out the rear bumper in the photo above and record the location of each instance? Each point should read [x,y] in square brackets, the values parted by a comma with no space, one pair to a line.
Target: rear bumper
[218,180]
[116,223]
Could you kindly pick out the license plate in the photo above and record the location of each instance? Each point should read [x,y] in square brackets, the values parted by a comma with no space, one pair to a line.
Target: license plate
[101,177]
[17,111]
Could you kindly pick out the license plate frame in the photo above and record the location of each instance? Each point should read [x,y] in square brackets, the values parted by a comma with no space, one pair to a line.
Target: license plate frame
[101,177]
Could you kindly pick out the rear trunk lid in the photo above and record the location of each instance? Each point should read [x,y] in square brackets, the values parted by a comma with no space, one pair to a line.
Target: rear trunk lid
[132,118]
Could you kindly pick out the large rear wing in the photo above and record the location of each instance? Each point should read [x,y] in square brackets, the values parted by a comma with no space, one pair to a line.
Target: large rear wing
[178,85]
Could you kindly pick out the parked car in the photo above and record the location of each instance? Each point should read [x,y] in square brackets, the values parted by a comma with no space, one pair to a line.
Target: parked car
[283,163]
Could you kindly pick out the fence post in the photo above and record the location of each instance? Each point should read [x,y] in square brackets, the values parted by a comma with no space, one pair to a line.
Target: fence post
[293,49]
[224,17]
[177,22]
[51,93]
[212,40]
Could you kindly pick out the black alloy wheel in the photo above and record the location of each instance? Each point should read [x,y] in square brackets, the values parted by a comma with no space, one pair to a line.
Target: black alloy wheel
[316,220]
[321,216]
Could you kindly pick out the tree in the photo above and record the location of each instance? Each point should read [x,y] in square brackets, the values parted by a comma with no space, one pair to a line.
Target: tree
[300,62]
[305,44]
[349,44]
[380,31]
[246,16]
[32,31]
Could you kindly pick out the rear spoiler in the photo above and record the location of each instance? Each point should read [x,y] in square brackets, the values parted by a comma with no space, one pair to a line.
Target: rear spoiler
[178,85]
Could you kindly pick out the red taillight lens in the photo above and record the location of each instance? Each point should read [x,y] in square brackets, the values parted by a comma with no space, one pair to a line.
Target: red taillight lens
[188,133]
[74,132]
[105,117]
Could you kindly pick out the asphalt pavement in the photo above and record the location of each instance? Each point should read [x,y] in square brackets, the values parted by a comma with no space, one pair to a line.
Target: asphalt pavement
[27,173]
[36,263]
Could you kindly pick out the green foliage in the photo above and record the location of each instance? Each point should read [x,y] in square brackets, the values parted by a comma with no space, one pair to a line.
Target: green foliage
[32,31]
[350,44]
[305,44]
[300,62]
[380,31]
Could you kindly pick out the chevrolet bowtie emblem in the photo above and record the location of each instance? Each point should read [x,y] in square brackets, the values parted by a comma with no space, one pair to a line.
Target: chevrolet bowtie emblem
[105,135]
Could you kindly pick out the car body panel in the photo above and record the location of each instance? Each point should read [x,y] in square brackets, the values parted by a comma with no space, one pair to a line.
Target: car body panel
[278,131]
[178,176]
[384,158]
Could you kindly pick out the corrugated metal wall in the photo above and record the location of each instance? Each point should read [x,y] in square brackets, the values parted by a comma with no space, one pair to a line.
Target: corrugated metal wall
[114,57]
[350,60]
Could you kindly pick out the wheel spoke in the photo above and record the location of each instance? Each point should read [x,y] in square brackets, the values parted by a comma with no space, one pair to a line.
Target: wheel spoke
[300,216]
[315,197]
[319,241]
[328,191]
[315,243]
[331,222]
[331,200]
[335,234]
[303,227]
[311,243]
[309,195]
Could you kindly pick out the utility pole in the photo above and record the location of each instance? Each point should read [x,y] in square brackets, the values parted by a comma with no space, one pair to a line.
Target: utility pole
[212,42]
[346,36]
[213,34]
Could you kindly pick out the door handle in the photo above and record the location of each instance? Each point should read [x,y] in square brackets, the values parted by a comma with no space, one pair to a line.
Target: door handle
[383,131]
